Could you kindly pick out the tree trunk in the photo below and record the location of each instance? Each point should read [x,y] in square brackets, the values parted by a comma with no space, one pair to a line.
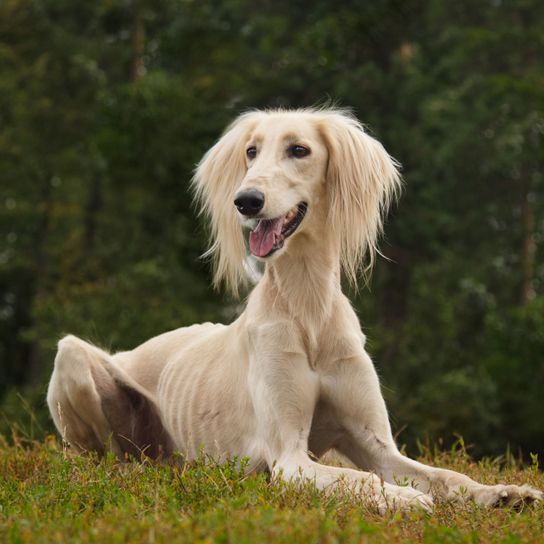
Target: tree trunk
[94,203]
[138,41]
[35,356]
[528,247]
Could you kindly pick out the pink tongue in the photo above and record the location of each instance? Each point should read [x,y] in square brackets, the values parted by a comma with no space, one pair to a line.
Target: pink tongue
[261,240]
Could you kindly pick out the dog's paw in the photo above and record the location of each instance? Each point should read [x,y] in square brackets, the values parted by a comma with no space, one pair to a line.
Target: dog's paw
[506,495]
[397,498]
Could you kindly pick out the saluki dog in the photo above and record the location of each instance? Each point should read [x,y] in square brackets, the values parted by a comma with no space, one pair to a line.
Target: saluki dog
[289,379]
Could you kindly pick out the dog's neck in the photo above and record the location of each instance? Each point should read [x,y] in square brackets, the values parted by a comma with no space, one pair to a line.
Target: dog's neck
[305,279]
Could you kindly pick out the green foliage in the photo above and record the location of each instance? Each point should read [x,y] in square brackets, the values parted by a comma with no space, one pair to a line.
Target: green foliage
[98,236]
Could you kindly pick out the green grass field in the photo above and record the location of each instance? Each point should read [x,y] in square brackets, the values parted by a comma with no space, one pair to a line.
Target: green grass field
[48,494]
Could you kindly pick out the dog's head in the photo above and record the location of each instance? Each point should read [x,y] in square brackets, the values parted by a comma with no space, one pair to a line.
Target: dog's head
[276,170]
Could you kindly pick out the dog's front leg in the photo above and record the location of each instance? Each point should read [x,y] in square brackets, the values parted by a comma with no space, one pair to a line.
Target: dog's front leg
[284,391]
[351,386]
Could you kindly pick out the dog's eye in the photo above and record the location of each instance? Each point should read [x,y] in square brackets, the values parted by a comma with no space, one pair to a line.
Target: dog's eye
[251,152]
[298,151]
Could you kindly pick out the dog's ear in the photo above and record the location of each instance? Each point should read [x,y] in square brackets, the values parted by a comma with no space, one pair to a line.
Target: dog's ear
[362,179]
[215,181]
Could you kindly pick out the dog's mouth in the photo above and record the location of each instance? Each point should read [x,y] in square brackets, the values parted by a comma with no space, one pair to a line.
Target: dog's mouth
[270,234]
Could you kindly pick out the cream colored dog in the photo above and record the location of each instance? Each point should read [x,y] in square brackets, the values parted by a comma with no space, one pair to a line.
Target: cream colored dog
[290,376]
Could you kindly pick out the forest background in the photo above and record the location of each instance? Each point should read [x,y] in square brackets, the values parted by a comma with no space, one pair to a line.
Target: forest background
[106,106]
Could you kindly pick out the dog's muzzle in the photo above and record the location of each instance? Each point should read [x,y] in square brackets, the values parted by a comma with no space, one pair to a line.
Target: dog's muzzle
[270,234]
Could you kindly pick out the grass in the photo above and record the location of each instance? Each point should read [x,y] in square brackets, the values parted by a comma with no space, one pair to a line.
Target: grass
[48,494]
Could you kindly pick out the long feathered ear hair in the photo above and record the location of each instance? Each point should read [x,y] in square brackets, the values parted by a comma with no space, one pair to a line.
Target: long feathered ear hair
[215,181]
[362,179]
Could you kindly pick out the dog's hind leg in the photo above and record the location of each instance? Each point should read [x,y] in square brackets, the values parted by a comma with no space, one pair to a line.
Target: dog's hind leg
[74,399]
[96,408]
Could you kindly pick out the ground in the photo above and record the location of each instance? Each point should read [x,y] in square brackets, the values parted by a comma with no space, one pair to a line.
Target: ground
[48,494]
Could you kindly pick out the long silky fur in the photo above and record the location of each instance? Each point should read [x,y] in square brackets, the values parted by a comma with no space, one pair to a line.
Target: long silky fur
[362,179]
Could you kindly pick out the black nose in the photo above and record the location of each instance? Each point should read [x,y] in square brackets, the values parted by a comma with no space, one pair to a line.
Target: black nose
[249,202]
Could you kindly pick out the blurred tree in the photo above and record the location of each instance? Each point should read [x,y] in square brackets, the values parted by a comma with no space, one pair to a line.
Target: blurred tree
[106,106]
